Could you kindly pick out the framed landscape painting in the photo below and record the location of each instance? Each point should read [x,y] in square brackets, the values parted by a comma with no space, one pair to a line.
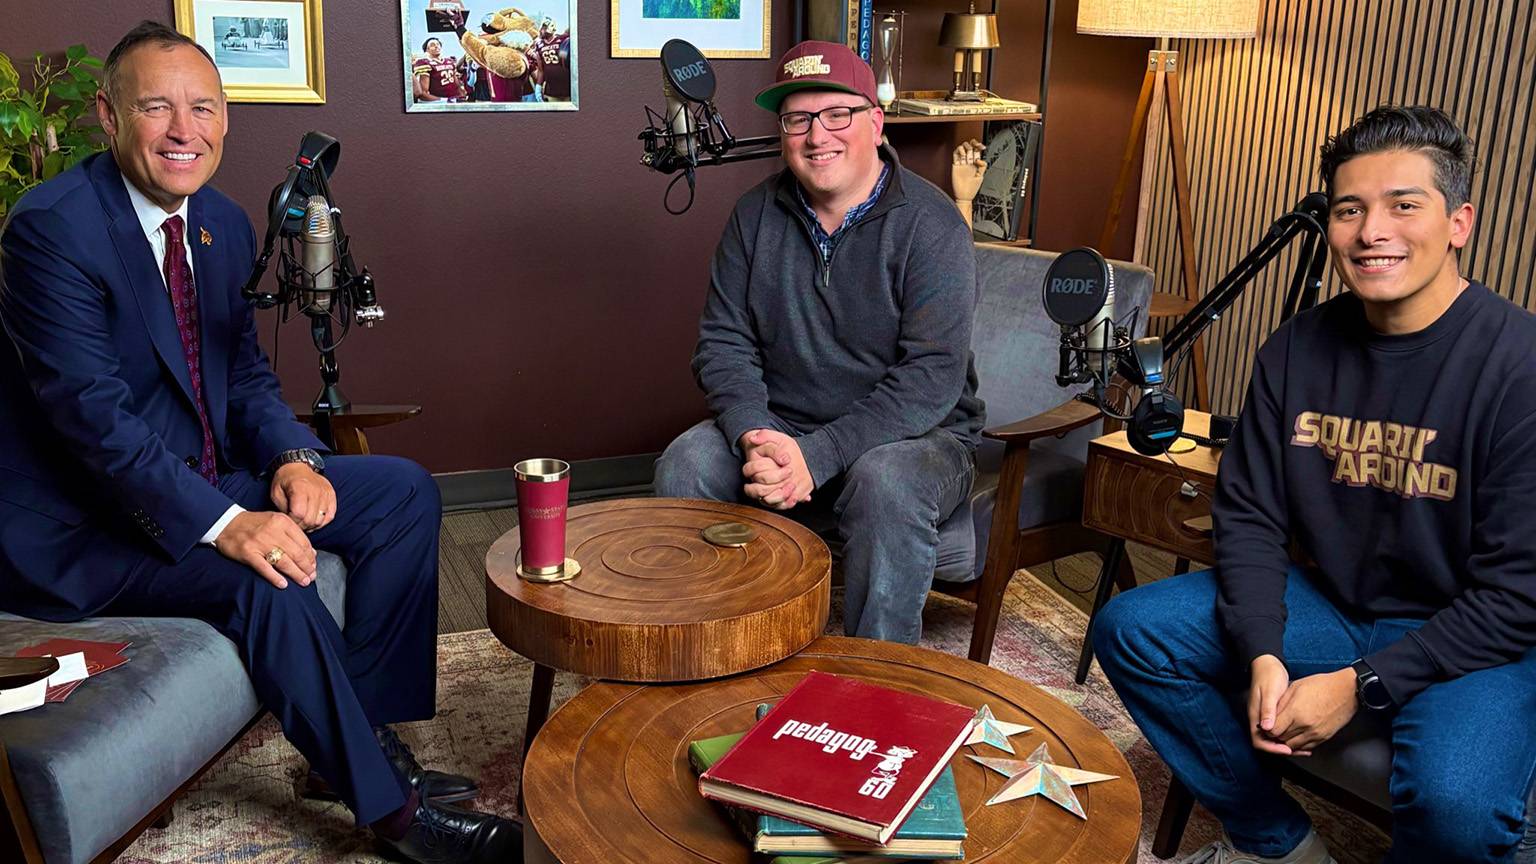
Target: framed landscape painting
[266,50]
[725,29]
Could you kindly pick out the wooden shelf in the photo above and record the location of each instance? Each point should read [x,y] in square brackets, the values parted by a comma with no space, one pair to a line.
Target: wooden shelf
[892,117]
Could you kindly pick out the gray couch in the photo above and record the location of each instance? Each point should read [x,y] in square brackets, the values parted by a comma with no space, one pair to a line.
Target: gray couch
[81,779]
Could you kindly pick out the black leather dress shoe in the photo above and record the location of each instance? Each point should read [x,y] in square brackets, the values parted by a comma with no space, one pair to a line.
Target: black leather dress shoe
[443,834]
[436,786]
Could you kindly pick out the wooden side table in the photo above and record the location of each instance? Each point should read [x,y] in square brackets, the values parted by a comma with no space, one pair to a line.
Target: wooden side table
[347,425]
[655,601]
[608,780]
[1162,501]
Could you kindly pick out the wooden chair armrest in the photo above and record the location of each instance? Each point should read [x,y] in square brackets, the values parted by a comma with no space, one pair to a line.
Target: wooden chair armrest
[1060,420]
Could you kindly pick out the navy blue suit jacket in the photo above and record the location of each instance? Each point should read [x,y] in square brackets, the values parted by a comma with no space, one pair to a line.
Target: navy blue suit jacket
[97,420]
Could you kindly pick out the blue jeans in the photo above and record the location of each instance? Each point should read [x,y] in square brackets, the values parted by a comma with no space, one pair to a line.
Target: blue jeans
[1464,750]
[887,508]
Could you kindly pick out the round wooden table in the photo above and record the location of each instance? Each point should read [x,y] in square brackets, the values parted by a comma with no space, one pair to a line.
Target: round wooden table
[655,601]
[608,779]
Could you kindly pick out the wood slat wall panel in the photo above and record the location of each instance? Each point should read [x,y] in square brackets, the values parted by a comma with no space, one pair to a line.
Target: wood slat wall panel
[1256,112]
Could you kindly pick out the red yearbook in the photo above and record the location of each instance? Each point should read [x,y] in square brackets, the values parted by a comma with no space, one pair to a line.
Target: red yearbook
[842,755]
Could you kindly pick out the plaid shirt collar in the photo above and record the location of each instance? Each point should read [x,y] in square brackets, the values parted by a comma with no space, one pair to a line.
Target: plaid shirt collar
[824,240]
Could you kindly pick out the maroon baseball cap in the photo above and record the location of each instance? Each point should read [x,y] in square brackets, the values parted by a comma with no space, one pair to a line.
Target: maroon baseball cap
[813,65]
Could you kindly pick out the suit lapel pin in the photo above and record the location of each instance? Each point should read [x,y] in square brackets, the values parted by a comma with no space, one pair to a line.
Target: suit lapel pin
[205,237]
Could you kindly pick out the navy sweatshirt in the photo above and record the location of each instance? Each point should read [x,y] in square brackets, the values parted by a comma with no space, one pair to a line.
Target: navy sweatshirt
[1405,468]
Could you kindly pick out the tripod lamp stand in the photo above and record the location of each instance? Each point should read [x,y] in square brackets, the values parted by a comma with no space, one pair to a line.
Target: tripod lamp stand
[1165,20]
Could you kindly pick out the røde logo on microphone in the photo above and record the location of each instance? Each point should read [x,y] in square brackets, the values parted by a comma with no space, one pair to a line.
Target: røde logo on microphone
[690,70]
[1061,285]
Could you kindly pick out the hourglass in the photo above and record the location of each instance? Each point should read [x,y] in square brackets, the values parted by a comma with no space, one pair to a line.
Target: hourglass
[888,37]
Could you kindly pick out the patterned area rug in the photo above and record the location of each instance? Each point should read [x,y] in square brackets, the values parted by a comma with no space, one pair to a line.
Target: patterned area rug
[246,809]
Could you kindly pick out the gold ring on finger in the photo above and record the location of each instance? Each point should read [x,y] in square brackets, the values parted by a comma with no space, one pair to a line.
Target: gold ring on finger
[274,556]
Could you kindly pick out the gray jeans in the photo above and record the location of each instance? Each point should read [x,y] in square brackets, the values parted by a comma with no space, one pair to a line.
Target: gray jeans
[886,508]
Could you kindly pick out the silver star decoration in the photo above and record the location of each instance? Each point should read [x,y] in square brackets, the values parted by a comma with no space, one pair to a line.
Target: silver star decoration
[1038,775]
[990,730]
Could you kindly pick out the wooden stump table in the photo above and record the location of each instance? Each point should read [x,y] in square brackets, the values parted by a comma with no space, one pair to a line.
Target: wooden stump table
[608,779]
[655,601]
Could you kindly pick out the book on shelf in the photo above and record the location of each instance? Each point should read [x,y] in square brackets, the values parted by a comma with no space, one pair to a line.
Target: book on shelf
[841,755]
[938,106]
[997,211]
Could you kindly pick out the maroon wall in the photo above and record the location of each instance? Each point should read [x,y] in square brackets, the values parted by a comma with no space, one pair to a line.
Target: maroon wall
[540,300]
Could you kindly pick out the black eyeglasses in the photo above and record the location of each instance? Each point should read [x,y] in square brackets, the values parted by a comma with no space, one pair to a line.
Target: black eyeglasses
[832,119]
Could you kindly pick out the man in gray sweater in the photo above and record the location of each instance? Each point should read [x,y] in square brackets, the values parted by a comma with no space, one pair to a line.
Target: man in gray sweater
[834,348]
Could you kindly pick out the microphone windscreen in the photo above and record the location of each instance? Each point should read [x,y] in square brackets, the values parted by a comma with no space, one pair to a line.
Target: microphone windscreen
[1076,286]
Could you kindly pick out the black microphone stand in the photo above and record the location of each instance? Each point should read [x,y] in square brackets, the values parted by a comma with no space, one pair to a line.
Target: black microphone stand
[1308,217]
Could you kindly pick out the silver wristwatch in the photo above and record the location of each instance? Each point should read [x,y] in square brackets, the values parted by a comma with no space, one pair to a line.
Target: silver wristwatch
[303,454]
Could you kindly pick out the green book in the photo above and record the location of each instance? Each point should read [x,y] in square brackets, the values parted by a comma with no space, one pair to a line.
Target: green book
[934,830]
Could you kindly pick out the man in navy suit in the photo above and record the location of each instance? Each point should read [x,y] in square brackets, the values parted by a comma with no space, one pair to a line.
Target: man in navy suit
[149,466]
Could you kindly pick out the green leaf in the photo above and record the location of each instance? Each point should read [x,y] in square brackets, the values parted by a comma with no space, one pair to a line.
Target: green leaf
[9,78]
[92,61]
[65,90]
[53,163]
[10,117]
[75,52]
[82,75]
[30,121]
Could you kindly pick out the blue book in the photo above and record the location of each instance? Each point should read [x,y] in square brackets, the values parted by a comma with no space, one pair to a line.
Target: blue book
[934,830]
[866,30]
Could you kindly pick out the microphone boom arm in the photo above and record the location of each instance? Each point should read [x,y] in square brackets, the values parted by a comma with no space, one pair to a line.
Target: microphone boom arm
[1306,282]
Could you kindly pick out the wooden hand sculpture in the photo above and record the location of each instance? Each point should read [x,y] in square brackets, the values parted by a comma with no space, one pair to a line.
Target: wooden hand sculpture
[965,175]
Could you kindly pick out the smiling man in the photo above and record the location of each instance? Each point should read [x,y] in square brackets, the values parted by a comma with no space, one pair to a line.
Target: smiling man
[149,466]
[1387,434]
[834,349]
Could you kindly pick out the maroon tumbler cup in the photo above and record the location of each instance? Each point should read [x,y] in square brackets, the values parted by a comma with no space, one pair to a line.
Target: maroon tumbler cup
[543,490]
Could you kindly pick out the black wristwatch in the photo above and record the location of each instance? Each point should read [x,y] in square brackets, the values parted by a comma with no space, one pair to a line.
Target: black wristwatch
[1369,688]
[303,454]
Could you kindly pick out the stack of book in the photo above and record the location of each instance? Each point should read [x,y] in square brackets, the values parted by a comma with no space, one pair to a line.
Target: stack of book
[933,104]
[842,770]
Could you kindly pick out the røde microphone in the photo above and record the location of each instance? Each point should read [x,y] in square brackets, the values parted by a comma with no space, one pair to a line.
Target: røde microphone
[319,259]
[1079,290]
[687,79]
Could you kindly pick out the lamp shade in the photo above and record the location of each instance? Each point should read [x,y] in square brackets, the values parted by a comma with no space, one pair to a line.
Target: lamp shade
[973,30]
[1207,19]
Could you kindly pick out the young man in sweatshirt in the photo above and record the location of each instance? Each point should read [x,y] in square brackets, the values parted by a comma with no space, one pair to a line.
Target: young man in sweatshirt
[834,349]
[1387,433]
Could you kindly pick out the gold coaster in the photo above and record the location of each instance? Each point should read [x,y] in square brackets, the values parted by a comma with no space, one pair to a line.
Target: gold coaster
[1182,445]
[566,574]
[730,533]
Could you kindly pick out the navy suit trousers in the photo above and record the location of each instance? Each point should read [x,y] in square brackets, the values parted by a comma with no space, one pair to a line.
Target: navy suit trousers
[327,686]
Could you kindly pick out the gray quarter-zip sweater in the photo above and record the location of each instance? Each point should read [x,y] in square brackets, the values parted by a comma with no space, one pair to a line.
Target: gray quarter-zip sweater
[865,346]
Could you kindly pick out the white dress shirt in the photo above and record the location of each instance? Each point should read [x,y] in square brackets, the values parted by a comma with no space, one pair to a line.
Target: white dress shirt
[152,220]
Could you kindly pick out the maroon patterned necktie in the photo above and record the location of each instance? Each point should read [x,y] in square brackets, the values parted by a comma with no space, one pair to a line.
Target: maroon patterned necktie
[178,277]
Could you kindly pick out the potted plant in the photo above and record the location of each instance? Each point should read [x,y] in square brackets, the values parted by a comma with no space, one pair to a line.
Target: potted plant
[48,127]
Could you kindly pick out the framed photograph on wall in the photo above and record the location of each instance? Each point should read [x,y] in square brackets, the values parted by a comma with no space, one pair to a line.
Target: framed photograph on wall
[723,29]
[508,59]
[266,50]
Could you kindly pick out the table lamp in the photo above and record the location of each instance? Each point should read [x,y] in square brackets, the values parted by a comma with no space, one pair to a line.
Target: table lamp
[969,34]
[1165,20]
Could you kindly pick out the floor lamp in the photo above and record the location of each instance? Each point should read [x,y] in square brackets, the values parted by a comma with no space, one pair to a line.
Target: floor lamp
[1165,20]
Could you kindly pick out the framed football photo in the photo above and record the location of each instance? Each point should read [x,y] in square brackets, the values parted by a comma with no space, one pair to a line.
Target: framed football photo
[458,57]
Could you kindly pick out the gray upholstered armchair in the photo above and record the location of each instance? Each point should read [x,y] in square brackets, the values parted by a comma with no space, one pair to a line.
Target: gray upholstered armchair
[1026,507]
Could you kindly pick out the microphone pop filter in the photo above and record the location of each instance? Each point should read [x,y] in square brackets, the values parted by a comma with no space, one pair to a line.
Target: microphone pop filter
[686,70]
[1076,286]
